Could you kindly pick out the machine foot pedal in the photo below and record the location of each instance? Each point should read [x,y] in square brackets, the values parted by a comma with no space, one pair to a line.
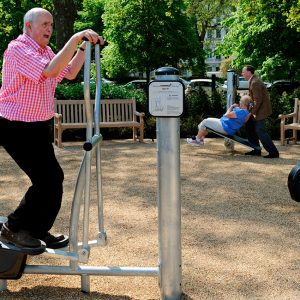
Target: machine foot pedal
[12,262]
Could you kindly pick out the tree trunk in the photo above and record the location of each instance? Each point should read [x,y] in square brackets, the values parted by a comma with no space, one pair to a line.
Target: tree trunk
[64,17]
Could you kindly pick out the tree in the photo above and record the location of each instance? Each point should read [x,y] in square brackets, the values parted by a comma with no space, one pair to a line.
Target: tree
[293,15]
[146,34]
[11,19]
[90,16]
[12,13]
[64,16]
[259,35]
[206,15]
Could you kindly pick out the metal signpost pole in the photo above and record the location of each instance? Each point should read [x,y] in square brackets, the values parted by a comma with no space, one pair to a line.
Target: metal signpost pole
[231,92]
[166,103]
[231,87]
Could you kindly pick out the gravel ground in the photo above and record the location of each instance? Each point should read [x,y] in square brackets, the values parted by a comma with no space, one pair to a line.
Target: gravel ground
[240,228]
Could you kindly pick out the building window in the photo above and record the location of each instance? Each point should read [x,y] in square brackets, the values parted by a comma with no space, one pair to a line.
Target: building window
[209,33]
[218,33]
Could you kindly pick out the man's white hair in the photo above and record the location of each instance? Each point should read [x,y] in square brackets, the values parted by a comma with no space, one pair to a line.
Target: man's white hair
[32,14]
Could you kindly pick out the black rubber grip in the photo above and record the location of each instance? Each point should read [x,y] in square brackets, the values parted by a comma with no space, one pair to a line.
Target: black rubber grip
[87,146]
[98,42]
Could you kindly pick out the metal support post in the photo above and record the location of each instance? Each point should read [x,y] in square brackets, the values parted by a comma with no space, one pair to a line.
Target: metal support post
[231,93]
[169,207]
[166,101]
[3,285]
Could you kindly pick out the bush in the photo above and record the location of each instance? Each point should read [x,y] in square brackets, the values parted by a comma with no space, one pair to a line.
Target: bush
[150,127]
[218,104]
[69,91]
[108,91]
[281,104]
[198,106]
[189,125]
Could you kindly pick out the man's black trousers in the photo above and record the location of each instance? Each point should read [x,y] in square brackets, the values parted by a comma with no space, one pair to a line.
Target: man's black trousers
[30,145]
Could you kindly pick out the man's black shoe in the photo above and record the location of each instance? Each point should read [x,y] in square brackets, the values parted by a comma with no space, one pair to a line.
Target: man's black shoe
[22,240]
[51,241]
[254,153]
[276,155]
[55,241]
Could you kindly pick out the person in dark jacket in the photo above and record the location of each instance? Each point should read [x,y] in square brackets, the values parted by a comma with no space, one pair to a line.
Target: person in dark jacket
[261,110]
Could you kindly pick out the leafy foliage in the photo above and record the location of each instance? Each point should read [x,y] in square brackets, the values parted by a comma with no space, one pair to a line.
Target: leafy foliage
[281,104]
[146,34]
[11,19]
[293,15]
[254,28]
[108,91]
[205,15]
[90,16]
[198,106]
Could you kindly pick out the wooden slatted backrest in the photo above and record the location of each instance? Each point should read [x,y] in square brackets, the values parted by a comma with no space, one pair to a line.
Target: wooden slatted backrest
[114,110]
[118,110]
[72,111]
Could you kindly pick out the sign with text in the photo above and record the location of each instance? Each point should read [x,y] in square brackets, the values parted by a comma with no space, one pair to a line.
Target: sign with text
[166,98]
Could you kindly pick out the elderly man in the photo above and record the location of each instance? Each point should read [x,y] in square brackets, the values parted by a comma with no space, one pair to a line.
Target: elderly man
[262,108]
[31,72]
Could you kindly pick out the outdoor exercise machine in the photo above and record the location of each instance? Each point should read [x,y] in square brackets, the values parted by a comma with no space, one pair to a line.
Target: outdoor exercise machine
[13,261]
[232,139]
[232,85]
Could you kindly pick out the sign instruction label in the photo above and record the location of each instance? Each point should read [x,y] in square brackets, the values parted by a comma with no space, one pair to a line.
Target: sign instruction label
[166,98]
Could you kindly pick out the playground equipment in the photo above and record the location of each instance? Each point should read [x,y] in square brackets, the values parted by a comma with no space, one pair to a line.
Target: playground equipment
[294,183]
[232,85]
[169,268]
[166,94]
[235,138]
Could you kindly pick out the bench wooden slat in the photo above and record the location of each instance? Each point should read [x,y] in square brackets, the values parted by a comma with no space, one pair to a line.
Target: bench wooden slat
[114,113]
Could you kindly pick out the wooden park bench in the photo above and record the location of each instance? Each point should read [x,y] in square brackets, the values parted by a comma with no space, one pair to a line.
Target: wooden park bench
[115,113]
[290,121]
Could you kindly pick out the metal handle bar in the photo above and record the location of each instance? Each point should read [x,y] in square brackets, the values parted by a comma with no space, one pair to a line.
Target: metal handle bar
[88,145]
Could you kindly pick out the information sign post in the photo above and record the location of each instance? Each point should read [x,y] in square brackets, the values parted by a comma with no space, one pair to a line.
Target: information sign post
[166,103]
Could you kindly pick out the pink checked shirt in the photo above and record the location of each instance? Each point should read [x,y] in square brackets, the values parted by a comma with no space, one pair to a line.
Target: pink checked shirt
[26,95]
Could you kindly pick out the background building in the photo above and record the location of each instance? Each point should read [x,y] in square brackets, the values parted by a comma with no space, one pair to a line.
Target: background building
[213,38]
